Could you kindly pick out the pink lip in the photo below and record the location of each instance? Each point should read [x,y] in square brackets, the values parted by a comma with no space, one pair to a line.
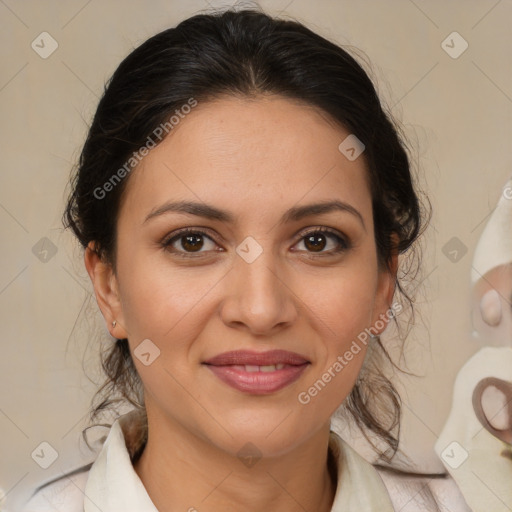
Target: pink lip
[242,357]
[230,368]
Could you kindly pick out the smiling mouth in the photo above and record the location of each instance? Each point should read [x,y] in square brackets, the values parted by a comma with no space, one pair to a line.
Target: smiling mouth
[258,373]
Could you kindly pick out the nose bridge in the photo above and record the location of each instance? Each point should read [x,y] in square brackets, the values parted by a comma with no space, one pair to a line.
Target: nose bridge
[258,283]
[258,296]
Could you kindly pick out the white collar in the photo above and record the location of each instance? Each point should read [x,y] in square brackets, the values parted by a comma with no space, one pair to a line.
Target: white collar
[114,485]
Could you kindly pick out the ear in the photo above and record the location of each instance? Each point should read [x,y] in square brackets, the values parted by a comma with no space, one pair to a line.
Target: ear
[106,290]
[386,285]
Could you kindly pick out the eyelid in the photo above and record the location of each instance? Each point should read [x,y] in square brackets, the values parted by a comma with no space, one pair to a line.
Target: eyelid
[321,229]
[184,231]
[343,239]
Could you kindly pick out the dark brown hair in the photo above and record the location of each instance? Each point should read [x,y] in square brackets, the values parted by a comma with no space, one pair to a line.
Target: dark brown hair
[244,53]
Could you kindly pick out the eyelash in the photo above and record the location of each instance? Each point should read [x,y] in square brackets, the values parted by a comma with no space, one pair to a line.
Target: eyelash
[343,243]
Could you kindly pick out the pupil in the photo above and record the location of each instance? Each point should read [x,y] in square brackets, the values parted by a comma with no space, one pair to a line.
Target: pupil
[314,240]
[194,241]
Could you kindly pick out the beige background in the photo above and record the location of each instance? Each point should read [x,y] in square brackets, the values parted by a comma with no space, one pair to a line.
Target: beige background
[457,113]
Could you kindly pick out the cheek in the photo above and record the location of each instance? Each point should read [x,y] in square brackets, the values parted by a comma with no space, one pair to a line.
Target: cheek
[341,311]
[343,302]
[157,298]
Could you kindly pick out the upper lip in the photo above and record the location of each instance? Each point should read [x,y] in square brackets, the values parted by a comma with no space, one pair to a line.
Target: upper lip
[247,357]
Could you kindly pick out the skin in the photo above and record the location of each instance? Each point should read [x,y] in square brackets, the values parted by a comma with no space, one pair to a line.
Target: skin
[255,158]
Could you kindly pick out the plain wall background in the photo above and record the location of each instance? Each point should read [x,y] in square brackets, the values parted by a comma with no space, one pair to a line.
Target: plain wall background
[457,113]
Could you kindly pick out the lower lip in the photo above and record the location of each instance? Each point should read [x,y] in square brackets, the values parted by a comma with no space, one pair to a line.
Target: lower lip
[258,383]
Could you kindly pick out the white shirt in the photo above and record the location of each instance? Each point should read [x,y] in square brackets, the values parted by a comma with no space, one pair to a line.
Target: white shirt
[112,485]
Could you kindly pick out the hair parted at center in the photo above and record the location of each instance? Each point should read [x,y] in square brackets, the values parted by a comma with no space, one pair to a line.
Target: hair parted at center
[247,54]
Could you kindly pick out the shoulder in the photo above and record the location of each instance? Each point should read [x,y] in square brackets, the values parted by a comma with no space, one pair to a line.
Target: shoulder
[415,492]
[63,494]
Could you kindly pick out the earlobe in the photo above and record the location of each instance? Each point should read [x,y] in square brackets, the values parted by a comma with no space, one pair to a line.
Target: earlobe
[392,268]
[106,291]
[384,309]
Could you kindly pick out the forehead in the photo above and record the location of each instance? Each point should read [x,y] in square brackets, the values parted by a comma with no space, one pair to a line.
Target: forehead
[253,154]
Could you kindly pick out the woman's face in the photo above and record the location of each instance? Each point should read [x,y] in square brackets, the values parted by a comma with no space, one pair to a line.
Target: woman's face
[244,317]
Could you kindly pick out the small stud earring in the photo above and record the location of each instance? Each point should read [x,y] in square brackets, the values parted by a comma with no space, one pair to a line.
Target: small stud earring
[114,323]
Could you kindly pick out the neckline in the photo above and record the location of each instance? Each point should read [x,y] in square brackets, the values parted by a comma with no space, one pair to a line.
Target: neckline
[113,483]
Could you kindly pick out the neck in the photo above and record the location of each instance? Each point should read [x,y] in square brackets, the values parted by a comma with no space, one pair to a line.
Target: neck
[181,471]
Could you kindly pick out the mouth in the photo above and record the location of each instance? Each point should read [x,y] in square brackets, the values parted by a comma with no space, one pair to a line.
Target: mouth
[258,372]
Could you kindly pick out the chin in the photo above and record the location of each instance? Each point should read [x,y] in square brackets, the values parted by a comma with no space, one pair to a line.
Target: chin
[273,433]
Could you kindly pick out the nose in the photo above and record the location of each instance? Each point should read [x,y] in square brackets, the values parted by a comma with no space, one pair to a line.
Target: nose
[258,298]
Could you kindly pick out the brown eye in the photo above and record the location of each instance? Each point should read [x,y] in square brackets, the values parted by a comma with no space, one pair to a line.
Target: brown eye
[318,240]
[315,242]
[192,242]
[188,242]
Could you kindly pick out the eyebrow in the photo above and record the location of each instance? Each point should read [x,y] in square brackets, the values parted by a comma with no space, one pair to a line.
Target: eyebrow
[292,215]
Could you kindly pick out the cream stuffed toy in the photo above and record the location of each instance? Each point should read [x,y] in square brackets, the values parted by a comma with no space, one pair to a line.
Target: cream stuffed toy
[475,445]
